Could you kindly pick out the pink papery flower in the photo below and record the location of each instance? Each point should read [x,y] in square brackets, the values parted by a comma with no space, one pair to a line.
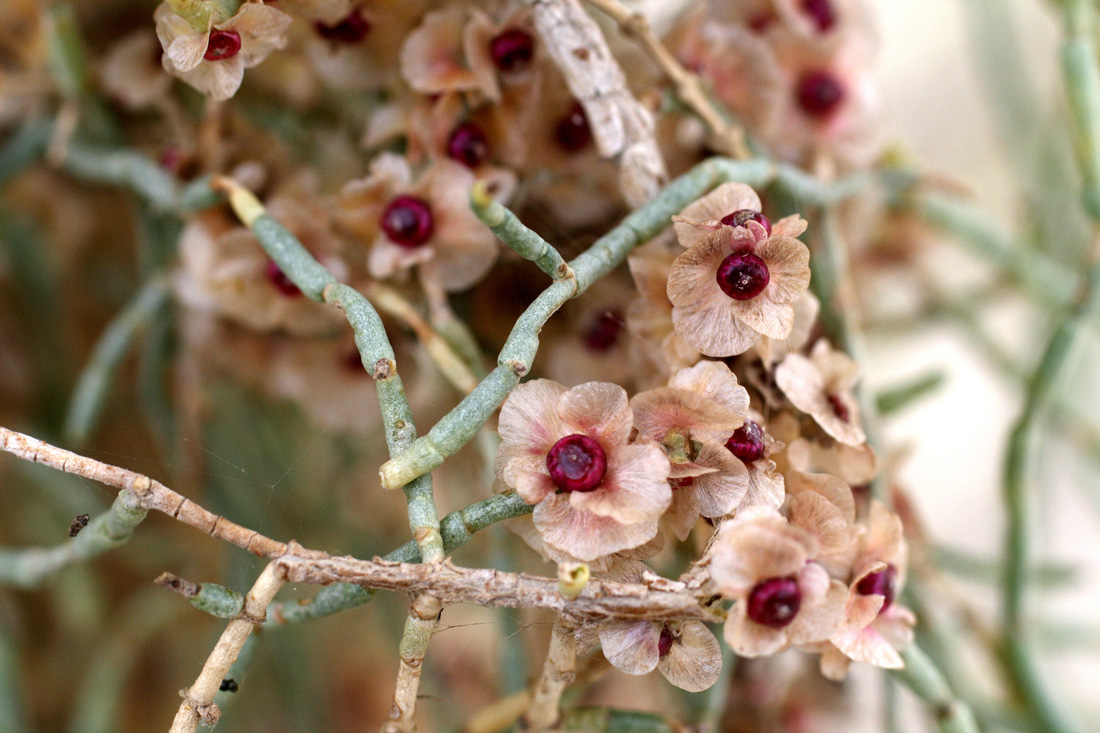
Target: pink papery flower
[875,628]
[449,52]
[685,653]
[567,451]
[783,597]
[692,418]
[132,72]
[825,508]
[425,223]
[740,275]
[821,386]
[214,61]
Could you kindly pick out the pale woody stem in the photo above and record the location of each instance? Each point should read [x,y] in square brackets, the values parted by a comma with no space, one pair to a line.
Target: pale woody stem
[557,672]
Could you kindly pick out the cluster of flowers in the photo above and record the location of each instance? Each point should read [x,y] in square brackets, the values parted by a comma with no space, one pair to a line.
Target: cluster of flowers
[603,471]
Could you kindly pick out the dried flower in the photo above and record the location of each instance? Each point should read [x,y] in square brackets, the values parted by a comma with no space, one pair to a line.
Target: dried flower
[821,387]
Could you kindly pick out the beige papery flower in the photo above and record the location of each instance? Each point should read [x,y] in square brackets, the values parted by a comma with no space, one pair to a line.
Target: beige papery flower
[753,446]
[686,653]
[214,61]
[875,628]
[740,275]
[426,223]
[692,418]
[821,387]
[567,451]
[447,53]
[132,71]
[783,597]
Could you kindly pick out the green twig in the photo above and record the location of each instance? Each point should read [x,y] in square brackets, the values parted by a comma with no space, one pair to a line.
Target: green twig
[13,717]
[894,399]
[508,228]
[94,386]
[921,676]
[983,570]
[29,568]
[608,720]
[25,147]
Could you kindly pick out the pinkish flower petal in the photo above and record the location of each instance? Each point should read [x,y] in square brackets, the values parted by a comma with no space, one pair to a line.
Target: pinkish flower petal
[529,417]
[584,535]
[694,660]
[635,487]
[750,639]
[598,409]
[631,646]
[722,201]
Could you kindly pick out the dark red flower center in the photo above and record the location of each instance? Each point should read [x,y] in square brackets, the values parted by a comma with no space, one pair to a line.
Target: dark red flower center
[774,602]
[822,13]
[747,442]
[603,332]
[468,145]
[512,50]
[572,132]
[664,644]
[840,409]
[761,22]
[222,45]
[819,93]
[882,583]
[281,282]
[743,276]
[679,483]
[351,29]
[576,463]
[407,221]
[742,216]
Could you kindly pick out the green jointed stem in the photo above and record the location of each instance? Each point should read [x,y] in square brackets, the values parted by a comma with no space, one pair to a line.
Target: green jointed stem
[508,228]
[921,676]
[458,528]
[94,386]
[217,600]
[29,568]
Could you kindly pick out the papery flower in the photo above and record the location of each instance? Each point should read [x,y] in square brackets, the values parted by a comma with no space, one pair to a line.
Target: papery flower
[649,316]
[132,71]
[771,351]
[685,653]
[737,280]
[567,452]
[821,387]
[753,446]
[783,597]
[875,628]
[214,61]
[427,223]
[447,53]
[692,418]
[825,508]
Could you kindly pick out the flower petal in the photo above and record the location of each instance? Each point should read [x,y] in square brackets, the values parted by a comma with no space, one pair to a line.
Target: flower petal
[694,661]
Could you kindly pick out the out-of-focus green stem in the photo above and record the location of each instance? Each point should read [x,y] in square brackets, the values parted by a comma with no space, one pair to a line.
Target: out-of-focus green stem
[612,720]
[68,58]
[29,568]
[25,147]
[13,717]
[921,676]
[94,386]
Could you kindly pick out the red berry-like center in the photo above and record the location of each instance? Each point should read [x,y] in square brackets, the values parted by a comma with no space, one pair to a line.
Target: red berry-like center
[603,333]
[407,221]
[664,644]
[822,13]
[576,463]
[351,29]
[819,93]
[774,602]
[281,282]
[468,145]
[743,276]
[839,408]
[572,132]
[222,45]
[512,50]
[742,216]
[883,583]
[747,442]
[760,23]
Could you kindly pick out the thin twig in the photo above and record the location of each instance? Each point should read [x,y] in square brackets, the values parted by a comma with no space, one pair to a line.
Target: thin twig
[198,700]
[728,138]
[420,624]
[557,672]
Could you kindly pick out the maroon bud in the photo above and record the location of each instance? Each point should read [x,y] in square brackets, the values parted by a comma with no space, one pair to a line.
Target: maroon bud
[774,602]
[512,50]
[882,583]
[743,276]
[747,442]
[839,408]
[407,221]
[819,93]
[281,282]
[603,333]
[576,463]
[351,29]
[572,132]
[742,216]
[821,12]
[468,145]
[664,644]
[222,45]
